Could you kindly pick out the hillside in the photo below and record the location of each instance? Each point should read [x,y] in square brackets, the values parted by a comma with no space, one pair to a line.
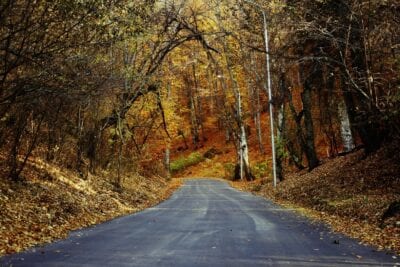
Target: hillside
[50,202]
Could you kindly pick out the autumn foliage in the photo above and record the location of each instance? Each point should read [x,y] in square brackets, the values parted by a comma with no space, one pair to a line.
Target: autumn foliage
[143,88]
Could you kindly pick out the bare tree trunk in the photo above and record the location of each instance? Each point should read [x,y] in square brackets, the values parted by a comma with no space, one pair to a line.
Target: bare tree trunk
[281,131]
[257,119]
[296,156]
[16,169]
[118,182]
[280,142]
[81,164]
[193,120]
[167,162]
[309,127]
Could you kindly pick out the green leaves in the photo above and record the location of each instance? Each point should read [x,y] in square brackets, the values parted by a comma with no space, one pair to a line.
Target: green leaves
[184,162]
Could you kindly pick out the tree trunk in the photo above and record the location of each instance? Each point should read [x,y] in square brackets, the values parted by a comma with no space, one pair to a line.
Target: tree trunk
[167,162]
[281,138]
[309,148]
[296,157]
[345,128]
[193,121]
[280,143]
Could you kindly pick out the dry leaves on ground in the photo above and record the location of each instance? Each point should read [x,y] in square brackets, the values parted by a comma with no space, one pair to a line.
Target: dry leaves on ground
[51,202]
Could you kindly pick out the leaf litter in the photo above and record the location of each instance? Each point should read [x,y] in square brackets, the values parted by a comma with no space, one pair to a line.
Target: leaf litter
[51,202]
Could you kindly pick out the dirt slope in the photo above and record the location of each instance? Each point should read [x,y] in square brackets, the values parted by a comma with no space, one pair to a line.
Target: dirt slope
[50,202]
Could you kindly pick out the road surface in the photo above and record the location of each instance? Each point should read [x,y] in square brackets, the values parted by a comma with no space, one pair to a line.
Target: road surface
[205,223]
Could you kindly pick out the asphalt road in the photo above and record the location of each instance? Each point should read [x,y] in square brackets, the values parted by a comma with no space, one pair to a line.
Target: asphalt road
[205,223]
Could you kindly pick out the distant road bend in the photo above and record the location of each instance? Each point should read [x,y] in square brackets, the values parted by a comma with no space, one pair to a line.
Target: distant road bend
[205,223]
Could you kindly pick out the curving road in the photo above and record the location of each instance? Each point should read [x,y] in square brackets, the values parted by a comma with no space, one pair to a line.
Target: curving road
[205,223]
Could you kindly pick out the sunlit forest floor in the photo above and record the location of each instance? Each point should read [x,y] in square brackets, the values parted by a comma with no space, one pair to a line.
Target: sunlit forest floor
[51,202]
[350,193]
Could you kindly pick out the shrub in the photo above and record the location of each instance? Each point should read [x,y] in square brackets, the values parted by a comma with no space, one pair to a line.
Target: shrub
[261,169]
[229,170]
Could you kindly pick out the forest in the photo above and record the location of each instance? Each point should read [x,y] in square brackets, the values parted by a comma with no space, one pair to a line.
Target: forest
[117,98]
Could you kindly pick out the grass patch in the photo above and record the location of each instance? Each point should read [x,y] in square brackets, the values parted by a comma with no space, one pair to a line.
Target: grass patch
[261,169]
[229,170]
[184,162]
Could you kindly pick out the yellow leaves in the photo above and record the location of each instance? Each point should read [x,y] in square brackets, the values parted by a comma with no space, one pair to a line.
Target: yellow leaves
[171,116]
[276,6]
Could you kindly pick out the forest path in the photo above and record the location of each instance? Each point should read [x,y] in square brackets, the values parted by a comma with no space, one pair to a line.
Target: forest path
[205,223]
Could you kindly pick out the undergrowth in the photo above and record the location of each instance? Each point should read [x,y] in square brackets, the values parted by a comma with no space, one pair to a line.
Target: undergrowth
[184,162]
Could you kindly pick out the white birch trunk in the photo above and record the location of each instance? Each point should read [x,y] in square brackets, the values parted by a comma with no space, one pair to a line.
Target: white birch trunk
[281,115]
[167,162]
[345,128]
[243,148]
